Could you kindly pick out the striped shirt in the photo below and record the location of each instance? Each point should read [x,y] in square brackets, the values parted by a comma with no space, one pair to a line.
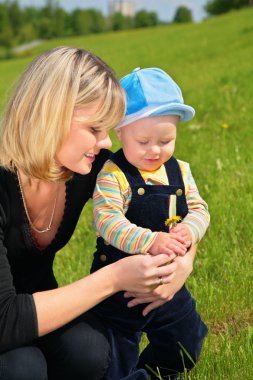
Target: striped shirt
[111,199]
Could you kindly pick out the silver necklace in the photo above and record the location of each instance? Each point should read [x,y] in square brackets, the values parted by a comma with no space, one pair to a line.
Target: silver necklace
[48,228]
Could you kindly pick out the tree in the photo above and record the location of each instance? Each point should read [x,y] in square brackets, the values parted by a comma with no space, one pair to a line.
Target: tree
[144,19]
[31,15]
[30,28]
[80,22]
[153,18]
[215,7]
[120,22]
[6,33]
[52,20]
[97,21]
[46,28]
[49,9]
[28,32]
[68,31]
[15,16]
[183,14]
[60,22]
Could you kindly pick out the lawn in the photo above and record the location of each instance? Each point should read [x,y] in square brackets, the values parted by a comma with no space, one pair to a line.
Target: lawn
[212,63]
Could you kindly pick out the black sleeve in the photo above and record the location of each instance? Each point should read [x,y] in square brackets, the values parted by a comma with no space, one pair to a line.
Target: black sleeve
[18,321]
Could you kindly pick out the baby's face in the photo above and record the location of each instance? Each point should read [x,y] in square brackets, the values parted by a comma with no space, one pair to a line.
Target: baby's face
[149,142]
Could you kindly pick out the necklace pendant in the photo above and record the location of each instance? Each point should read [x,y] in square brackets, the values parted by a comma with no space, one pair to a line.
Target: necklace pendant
[40,231]
[48,228]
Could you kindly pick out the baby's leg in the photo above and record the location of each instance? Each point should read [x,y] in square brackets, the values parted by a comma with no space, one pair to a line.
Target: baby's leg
[175,329]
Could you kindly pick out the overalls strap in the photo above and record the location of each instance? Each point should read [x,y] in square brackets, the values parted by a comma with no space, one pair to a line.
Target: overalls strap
[174,173]
[132,174]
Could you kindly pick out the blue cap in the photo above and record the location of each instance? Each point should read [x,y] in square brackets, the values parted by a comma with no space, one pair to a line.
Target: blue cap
[152,92]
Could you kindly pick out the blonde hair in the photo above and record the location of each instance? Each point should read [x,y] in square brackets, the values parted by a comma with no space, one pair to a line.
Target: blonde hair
[38,116]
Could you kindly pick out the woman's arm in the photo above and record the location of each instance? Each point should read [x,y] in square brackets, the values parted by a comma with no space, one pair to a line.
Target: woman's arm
[138,274]
[181,267]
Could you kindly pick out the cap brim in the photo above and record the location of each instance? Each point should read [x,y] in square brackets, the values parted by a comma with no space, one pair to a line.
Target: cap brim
[185,112]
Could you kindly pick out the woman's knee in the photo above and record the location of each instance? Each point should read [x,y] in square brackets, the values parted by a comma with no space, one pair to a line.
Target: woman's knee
[86,354]
[83,352]
[25,363]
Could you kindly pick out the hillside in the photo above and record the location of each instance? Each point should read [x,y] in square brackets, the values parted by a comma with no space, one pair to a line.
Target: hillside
[212,63]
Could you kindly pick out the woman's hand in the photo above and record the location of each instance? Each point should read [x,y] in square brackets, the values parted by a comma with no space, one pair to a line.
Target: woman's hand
[181,268]
[142,273]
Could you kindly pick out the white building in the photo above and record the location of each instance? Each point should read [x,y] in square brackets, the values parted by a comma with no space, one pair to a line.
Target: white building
[126,7]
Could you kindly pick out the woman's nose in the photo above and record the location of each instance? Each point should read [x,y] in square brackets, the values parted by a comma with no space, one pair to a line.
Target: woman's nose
[105,142]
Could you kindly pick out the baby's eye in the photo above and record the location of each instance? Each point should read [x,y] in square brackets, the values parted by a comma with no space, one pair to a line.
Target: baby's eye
[165,142]
[142,142]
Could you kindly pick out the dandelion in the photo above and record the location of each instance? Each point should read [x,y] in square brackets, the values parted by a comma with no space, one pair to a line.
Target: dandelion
[224,126]
[172,222]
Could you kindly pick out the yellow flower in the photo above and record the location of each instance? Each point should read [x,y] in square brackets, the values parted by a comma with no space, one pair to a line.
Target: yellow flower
[225,126]
[172,222]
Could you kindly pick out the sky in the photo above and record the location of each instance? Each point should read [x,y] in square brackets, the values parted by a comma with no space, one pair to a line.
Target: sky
[164,8]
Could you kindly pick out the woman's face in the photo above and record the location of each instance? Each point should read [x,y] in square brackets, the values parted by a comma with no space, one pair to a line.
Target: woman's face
[84,141]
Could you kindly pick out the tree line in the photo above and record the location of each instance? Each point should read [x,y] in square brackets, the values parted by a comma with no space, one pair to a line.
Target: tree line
[19,25]
[216,7]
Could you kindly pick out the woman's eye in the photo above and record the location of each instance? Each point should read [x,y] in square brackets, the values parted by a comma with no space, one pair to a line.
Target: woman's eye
[164,142]
[95,130]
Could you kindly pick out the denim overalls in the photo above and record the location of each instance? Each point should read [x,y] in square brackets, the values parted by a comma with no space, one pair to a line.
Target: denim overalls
[175,321]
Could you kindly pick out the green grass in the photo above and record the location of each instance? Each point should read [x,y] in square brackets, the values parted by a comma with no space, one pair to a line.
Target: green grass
[212,62]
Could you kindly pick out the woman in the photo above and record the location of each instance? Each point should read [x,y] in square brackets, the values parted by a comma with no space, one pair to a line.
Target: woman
[54,139]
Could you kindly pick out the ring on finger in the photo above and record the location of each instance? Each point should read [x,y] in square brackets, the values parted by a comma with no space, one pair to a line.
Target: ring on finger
[160,281]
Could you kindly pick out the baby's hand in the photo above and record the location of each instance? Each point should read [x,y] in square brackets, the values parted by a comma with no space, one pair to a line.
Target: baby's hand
[182,231]
[169,243]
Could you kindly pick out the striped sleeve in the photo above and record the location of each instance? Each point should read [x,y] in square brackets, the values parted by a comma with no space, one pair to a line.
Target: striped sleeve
[109,207]
[198,217]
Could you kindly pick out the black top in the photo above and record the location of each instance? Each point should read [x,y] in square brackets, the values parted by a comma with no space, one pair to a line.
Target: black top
[24,268]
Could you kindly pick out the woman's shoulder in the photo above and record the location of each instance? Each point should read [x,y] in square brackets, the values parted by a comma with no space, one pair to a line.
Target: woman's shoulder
[5,178]
[3,172]
[6,186]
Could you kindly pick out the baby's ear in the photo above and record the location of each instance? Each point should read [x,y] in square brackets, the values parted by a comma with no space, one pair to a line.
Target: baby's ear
[118,132]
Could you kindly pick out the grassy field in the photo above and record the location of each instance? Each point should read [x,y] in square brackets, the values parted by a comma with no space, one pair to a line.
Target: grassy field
[212,62]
